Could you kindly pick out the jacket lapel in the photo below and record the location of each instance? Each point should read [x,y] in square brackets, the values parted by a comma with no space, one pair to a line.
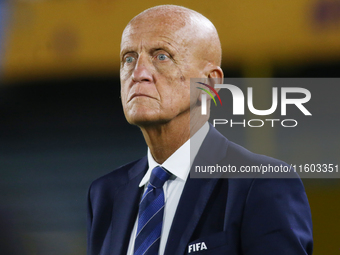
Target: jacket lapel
[196,194]
[127,198]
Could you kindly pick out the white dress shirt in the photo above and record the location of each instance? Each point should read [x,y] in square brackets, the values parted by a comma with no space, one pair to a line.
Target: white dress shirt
[178,164]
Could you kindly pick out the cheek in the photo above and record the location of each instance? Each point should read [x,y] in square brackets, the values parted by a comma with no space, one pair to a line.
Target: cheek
[123,91]
[166,68]
[125,73]
[173,73]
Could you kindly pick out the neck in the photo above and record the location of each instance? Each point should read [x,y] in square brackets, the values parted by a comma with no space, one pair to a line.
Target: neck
[164,139]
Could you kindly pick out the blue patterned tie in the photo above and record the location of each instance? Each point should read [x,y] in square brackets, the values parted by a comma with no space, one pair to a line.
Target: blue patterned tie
[150,219]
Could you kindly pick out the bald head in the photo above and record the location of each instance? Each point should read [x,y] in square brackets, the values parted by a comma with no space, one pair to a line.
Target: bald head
[196,29]
[162,48]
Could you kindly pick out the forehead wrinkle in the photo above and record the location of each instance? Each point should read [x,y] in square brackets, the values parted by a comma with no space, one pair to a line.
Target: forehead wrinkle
[163,41]
[171,43]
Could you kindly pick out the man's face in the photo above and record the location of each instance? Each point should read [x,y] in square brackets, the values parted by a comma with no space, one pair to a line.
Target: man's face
[157,62]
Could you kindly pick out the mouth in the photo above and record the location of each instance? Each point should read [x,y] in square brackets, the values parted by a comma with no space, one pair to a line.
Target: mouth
[136,95]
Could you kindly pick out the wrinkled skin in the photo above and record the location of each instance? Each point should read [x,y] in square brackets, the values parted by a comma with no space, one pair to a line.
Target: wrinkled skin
[161,49]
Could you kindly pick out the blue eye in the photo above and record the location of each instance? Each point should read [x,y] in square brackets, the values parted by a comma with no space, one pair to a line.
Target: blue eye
[162,57]
[129,59]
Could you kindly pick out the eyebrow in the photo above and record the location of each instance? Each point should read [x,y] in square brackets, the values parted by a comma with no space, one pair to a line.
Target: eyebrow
[162,45]
[167,49]
[166,45]
[127,49]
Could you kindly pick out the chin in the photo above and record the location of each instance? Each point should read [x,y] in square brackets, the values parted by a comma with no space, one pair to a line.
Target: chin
[140,114]
[141,118]
[145,119]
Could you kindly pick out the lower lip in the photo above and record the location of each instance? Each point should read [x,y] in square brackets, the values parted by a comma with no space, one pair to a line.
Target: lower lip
[139,96]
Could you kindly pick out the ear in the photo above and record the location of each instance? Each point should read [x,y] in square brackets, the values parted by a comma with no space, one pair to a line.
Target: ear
[216,75]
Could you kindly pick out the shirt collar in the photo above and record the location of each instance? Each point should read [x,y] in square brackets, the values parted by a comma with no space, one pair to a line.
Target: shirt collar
[179,163]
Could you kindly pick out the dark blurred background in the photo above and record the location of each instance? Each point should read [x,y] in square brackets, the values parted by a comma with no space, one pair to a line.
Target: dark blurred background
[61,120]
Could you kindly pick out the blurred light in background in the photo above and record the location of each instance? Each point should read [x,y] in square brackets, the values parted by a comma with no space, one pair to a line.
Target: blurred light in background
[4,11]
[57,38]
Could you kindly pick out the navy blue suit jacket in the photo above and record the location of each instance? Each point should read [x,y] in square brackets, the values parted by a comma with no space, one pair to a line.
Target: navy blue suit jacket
[231,216]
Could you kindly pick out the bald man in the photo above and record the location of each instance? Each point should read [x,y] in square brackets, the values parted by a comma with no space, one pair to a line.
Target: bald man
[151,205]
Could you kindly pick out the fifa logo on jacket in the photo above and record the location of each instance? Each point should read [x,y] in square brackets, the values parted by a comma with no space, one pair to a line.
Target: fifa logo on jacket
[197,247]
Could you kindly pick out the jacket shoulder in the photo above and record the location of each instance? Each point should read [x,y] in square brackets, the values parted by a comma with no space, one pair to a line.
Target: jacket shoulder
[253,165]
[238,153]
[119,176]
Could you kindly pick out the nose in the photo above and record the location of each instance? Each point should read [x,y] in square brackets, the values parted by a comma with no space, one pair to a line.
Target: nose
[142,71]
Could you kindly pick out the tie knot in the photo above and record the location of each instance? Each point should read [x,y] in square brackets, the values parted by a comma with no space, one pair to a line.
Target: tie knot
[159,176]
